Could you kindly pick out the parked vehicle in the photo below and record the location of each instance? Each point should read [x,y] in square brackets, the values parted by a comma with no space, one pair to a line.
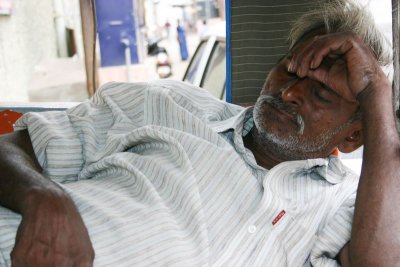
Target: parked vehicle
[207,68]
[163,63]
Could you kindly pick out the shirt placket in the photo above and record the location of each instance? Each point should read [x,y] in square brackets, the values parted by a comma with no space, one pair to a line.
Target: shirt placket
[252,231]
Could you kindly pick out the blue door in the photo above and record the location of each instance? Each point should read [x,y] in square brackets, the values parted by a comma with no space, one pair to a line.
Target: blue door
[116,26]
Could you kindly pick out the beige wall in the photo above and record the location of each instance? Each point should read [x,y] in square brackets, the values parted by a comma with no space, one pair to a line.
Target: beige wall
[26,37]
[221,8]
[72,19]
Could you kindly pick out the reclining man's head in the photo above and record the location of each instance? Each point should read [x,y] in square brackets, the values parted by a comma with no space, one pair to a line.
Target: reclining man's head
[299,118]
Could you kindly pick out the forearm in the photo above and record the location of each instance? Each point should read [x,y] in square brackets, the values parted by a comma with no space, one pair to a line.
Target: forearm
[52,232]
[375,240]
[20,173]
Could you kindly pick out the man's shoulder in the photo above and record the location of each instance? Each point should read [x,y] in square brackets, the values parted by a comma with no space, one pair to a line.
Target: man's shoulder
[161,85]
[166,93]
[176,89]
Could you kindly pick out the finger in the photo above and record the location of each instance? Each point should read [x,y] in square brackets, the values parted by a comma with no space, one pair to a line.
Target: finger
[311,56]
[330,47]
[298,57]
[305,55]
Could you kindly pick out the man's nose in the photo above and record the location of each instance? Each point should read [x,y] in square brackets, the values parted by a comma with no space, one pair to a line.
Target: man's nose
[294,93]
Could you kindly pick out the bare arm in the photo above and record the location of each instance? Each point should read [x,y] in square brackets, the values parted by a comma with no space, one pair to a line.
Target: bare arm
[375,239]
[18,160]
[376,226]
[51,232]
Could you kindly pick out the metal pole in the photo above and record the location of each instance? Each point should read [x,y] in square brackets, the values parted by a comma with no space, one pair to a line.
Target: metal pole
[89,31]
[128,62]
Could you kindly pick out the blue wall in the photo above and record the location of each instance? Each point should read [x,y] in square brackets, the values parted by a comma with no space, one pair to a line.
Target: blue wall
[115,22]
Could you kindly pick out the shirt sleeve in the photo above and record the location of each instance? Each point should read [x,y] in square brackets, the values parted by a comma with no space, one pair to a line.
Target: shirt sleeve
[333,236]
[65,141]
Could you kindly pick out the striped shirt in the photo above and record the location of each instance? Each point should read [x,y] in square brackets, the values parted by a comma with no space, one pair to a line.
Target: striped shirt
[161,177]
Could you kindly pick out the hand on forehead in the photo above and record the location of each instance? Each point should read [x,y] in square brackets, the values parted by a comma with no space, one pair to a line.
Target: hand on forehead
[340,61]
[332,74]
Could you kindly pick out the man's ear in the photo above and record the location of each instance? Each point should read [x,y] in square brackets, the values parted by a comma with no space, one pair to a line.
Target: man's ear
[353,140]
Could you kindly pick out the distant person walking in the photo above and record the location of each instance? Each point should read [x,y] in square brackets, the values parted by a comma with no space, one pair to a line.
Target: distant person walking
[182,41]
[167,27]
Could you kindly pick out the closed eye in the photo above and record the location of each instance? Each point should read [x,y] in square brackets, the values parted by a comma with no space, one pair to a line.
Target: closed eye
[322,94]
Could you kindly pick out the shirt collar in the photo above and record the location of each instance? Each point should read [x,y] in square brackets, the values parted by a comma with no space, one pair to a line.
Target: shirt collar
[235,123]
[331,168]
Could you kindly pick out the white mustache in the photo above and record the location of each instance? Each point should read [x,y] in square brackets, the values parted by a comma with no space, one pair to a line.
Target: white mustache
[279,104]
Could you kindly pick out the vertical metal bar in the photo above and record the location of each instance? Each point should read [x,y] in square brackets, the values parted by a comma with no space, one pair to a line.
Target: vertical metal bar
[88,18]
[228,52]
[128,62]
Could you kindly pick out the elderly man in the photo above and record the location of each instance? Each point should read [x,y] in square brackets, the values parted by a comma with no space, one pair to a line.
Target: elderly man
[162,174]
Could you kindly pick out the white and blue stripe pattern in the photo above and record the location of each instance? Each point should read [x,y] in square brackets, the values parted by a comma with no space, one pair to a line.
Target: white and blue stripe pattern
[161,177]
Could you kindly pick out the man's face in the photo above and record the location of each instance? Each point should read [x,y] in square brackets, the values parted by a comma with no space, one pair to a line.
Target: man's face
[303,118]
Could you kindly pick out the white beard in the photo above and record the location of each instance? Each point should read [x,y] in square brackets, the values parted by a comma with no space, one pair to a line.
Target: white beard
[293,145]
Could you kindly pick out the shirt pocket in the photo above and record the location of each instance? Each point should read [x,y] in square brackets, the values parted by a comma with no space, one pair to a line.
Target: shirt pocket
[295,240]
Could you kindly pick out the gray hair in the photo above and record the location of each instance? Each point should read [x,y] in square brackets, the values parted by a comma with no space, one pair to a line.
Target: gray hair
[340,16]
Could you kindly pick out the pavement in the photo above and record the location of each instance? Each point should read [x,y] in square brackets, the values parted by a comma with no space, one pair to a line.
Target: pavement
[147,70]
[63,79]
[58,80]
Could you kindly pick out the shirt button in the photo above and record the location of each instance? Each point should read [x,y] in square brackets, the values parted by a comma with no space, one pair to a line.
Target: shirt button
[252,229]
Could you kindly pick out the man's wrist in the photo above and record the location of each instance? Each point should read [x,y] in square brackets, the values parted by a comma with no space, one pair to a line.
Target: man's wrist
[35,196]
[373,90]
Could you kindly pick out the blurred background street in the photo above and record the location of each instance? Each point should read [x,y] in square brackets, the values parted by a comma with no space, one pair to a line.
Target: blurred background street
[42,57]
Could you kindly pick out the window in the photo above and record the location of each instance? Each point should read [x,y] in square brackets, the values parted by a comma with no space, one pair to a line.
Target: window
[215,74]
[190,75]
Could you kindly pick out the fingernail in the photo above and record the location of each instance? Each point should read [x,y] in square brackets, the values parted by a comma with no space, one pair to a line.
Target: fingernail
[312,65]
[302,73]
[290,67]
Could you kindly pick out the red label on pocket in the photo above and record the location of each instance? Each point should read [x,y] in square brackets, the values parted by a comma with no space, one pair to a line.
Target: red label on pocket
[277,218]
